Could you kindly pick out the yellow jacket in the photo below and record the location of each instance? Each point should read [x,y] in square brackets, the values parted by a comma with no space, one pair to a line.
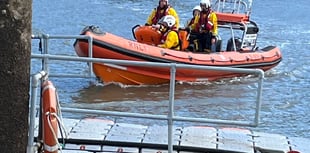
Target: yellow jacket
[212,19]
[170,11]
[190,23]
[170,41]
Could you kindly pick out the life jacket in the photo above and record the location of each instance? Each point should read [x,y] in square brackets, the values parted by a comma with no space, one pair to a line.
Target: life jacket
[159,14]
[204,24]
[183,39]
[164,37]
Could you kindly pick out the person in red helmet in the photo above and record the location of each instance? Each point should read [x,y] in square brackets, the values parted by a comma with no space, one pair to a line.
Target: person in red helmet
[160,11]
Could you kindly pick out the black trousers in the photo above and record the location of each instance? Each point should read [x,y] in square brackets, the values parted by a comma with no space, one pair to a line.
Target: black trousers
[200,41]
[205,41]
[194,42]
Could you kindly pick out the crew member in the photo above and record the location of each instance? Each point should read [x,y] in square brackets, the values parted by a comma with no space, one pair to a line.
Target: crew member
[206,25]
[170,37]
[160,11]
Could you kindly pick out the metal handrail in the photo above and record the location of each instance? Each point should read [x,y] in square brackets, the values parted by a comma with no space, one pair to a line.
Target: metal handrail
[170,118]
[221,5]
[47,37]
[172,66]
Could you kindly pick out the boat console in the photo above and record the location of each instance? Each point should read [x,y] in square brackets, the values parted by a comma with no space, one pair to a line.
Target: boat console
[235,15]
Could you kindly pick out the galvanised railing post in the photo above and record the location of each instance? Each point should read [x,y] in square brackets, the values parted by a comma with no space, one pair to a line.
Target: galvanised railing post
[90,54]
[171,107]
[259,96]
[34,85]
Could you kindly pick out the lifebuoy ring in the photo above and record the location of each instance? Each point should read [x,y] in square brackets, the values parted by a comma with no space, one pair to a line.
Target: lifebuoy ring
[50,123]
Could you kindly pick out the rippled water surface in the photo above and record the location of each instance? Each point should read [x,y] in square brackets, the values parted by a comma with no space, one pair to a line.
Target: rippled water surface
[285,100]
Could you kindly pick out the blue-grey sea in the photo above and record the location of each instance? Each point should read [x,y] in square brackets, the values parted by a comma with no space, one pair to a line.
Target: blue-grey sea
[285,99]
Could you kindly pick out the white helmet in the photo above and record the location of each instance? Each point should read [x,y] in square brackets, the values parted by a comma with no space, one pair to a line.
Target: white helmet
[197,8]
[169,19]
[205,2]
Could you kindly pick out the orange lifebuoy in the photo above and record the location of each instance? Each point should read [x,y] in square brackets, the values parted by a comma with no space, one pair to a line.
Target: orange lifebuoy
[50,124]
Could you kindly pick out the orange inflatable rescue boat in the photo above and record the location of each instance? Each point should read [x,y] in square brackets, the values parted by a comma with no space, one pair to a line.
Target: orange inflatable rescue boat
[109,46]
[240,52]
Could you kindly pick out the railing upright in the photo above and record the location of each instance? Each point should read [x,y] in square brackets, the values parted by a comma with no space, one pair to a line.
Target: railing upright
[171,106]
[259,97]
[90,53]
[32,108]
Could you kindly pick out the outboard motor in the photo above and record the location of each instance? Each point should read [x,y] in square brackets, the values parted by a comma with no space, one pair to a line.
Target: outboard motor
[218,43]
[230,44]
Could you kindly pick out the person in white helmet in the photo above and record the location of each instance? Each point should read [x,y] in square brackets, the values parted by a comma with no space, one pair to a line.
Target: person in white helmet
[206,25]
[170,36]
[194,46]
[196,12]
[160,11]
